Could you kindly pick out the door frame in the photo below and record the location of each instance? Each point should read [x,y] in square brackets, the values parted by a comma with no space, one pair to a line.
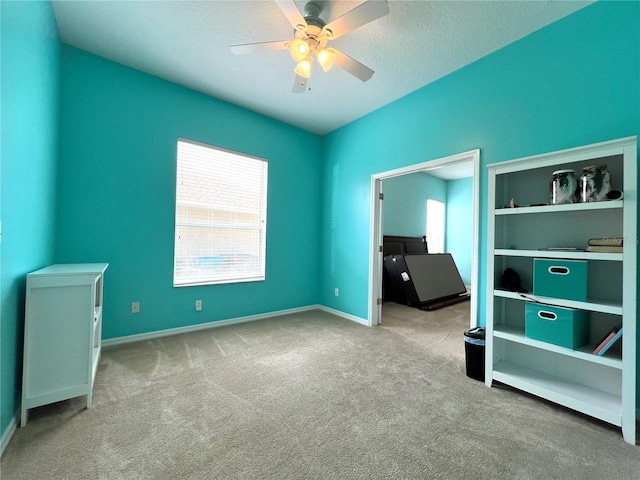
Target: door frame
[375,238]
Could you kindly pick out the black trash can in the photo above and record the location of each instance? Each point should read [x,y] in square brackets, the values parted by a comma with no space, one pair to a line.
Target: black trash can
[474,345]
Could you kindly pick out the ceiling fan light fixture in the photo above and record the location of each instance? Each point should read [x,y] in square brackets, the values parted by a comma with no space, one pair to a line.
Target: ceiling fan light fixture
[299,49]
[326,58]
[304,68]
[312,35]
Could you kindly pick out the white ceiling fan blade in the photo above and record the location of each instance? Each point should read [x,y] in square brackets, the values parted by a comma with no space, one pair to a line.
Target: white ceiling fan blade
[353,67]
[259,47]
[292,13]
[367,12]
[300,84]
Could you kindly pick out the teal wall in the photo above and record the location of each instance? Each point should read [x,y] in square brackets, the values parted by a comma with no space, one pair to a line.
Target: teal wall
[572,83]
[116,196]
[405,203]
[405,212]
[459,225]
[107,194]
[30,85]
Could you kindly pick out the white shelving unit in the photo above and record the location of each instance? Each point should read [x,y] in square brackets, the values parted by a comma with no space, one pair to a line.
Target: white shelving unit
[600,386]
[63,330]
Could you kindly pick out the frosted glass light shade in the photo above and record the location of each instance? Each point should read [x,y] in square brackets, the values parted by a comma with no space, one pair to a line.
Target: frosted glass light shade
[326,57]
[304,68]
[299,49]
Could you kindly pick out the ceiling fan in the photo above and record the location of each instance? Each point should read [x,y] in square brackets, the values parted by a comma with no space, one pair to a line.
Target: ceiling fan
[312,34]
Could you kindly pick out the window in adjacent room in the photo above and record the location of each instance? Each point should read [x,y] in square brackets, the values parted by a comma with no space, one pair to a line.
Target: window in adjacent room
[435,226]
[221,210]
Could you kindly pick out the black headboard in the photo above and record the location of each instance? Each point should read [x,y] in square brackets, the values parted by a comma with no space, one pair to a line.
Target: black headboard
[396,245]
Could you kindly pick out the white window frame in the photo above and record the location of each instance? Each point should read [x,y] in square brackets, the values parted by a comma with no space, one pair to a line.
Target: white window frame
[209,187]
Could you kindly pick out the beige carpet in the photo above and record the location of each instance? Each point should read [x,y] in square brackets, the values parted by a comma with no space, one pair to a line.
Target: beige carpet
[311,396]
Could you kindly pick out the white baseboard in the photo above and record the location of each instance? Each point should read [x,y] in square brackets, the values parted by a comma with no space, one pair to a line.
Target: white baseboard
[353,318]
[8,433]
[221,323]
[203,326]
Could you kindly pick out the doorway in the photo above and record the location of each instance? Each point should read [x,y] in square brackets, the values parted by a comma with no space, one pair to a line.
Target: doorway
[471,160]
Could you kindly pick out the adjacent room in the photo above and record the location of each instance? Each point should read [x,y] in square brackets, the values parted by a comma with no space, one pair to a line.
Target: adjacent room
[430,212]
[205,205]
[436,206]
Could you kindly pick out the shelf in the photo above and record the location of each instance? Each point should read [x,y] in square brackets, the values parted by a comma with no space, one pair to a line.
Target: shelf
[569,207]
[509,252]
[593,305]
[599,404]
[95,362]
[603,387]
[515,334]
[62,301]
[93,269]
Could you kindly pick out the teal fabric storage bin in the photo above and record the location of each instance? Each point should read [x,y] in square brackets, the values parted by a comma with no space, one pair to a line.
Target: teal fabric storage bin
[560,278]
[565,327]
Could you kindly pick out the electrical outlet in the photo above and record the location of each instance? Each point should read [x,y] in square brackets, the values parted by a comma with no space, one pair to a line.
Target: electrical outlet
[337,292]
[135,307]
[198,305]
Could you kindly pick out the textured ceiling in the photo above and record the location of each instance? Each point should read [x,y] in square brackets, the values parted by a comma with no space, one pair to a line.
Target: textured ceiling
[187,42]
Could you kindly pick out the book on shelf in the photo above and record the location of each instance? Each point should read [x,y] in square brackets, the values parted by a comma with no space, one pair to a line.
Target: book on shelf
[605,242]
[604,249]
[561,249]
[607,342]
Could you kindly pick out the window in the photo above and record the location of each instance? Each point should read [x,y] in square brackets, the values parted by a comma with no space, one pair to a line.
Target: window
[221,210]
[435,226]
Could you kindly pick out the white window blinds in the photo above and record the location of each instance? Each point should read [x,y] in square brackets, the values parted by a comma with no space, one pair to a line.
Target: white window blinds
[221,209]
